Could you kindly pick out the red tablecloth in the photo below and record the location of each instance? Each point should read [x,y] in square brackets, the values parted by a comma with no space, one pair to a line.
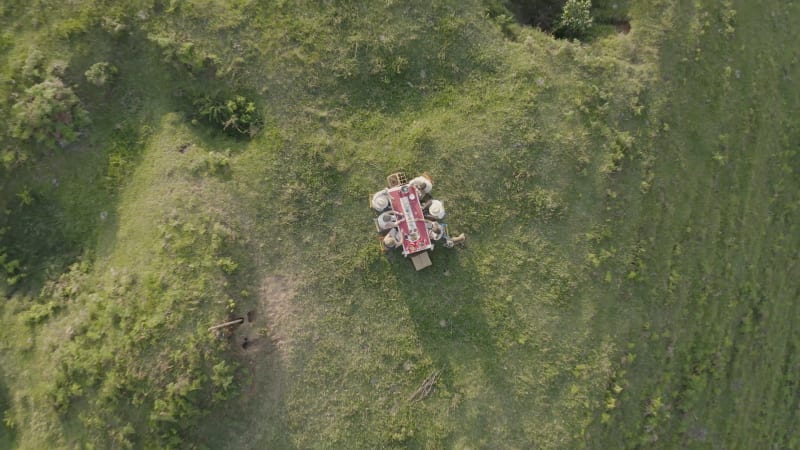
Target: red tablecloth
[405,202]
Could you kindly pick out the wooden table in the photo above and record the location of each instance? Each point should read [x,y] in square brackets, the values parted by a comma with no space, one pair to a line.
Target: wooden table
[404,200]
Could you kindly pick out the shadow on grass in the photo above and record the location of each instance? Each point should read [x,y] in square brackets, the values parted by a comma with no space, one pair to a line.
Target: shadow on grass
[446,303]
[257,416]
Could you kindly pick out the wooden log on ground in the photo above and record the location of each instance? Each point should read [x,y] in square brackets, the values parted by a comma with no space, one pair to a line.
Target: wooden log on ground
[227,324]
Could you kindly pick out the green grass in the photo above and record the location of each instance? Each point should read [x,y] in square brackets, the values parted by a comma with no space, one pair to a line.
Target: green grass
[714,247]
[630,204]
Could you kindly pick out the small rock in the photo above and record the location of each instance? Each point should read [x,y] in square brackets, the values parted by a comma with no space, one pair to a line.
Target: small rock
[103,215]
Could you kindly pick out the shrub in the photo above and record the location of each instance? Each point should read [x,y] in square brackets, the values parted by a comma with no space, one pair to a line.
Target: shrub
[113,25]
[38,312]
[183,54]
[10,269]
[58,68]
[227,264]
[48,113]
[10,156]
[101,73]
[123,148]
[576,19]
[222,380]
[213,164]
[237,115]
[33,68]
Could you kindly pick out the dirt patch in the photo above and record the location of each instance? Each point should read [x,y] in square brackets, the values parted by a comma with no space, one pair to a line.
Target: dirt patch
[276,311]
[262,344]
[623,26]
[265,329]
[263,338]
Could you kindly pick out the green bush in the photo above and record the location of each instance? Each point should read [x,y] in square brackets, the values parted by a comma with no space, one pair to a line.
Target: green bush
[222,380]
[33,69]
[183,54]
[213,164]
[10,156]
[576,19]
[48,113]
[237,115]
[101,73]
[123,148]
[10,269]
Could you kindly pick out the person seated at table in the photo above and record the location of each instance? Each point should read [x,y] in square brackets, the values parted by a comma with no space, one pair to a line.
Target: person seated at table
[422,184]
[393,239]
[435,211]
[380,201]
[388,220]
[435,230]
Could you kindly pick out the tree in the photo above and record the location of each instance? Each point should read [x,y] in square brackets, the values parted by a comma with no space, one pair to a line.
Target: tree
[576,19]
[49,113]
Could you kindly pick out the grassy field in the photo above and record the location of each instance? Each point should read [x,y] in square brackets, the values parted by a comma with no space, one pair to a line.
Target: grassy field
[709,268]
[631,203]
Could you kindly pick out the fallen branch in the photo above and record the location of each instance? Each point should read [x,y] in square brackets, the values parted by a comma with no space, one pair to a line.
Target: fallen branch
[426,388]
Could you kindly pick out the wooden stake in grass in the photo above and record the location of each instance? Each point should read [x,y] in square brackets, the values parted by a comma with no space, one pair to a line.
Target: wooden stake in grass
[426,388]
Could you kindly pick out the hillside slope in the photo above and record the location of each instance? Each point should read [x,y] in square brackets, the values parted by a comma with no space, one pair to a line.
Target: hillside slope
[630,201]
